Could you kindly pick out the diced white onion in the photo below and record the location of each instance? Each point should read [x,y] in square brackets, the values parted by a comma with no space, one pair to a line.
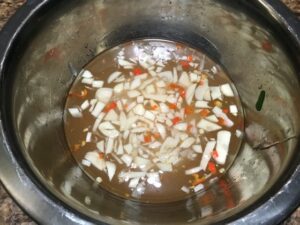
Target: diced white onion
[97,83]
[188,142]
[223,141]
[85,105]
[87,74]
[193,170]
[208,126]
[190,93]
[113,76]
[207,154]
[111,170]
[226,90]
[202,104]
[75,112]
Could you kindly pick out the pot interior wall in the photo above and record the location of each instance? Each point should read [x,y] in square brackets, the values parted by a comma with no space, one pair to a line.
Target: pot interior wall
[72,33]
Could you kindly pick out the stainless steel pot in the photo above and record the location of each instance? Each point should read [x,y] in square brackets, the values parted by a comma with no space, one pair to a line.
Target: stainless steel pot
[47,41]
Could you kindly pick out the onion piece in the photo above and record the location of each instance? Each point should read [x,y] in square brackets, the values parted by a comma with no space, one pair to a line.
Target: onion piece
[149,115]
[98,121]
[133,94]
[125,63]
[134,182]
[223,141]
[201,90]
[104,94]
[128,148]
[165,167]
[207,154]
[163,107]
[113,76]
[216,93]
[93,157]
[199,187]
[166,76]
[239,133]
[97,84]
[208,126]
[212,118]
[130,175]
[88,81]
[85,105]
[86,163]
[119,88]
[184,79]
[154,145]
[233,110]
[197,148]
[98,109]
[160,84]
[88,137]
[227,90]
[109,145]
[139,110]
[219,113]
[127,159]
[161,130]
[111,170]
[190,93]
[150,89]
[202,105]
[75,112]
[100,146]
[181,126]
[193,170]
[87,74]
[153,178]
[214,70]
[155,97]
[135,83]
[111,116]
[185,189]
[188,142]
[194,77]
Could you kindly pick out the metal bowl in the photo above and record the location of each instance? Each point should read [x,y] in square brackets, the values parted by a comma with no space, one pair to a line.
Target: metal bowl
[48,41]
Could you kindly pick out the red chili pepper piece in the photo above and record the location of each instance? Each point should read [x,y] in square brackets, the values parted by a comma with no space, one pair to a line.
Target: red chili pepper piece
[190,58]
[110,106]
[215,154]
[212,168]
[189,110]
[176,120]
[101,155]
[204,112]
[147,138]
[184,64]
[137,71]
[172,106]
[226,111]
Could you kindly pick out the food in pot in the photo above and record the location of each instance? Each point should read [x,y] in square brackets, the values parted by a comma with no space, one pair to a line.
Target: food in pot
[153,120]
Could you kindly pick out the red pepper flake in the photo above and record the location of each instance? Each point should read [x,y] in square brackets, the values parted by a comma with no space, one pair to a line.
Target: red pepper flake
[204,112]
[101,155]
[154,107]
[53,53]
[267,46]
[156,135]
[137,71]
[226,110]
[184,64]
[176,120]
[172,106]
[178,88]
[212,168]
[221,122]
[190,58]
[110,106]
[215,154]
[147,138]
[189,110]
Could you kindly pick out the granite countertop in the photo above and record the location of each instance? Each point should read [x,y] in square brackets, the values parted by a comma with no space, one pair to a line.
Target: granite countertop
[10,213]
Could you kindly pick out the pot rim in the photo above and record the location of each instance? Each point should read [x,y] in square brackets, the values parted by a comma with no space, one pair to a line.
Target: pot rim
[279,202]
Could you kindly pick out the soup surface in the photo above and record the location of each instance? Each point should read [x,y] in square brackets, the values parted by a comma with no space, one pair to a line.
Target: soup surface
[153,120]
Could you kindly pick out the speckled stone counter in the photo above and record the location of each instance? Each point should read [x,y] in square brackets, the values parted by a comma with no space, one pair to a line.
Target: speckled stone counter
[10,213]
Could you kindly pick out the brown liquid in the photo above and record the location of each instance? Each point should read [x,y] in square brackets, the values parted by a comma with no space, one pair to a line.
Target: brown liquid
[171,182]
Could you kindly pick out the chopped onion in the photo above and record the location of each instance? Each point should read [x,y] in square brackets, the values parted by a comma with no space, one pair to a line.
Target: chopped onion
[139,110]
[98,109]
[133,183]
[100,146]
[184,80]
[201,90]
[223,141]
[119,88]
[111,170]
[166,76]
[87,74]
[219,113]
[85,105]
[135,83]
[154,145]
[113,76]
[98,121]
[131,106]
[125,63]
[197,148]
[214,70]
[161,130]
[153,178]
[188,142]
[226,90]
[86,163]
[88,137]
[127,159]
[150,89]
[207,154]
[149,115]
[140,99]
[194,77]
[88,81]
[216,93]
[190,93]
[202,105]
[233,109]
[104,94]
[75,112]
[133,94]
[185,189]
[181,126]
[163,107]
[212,118]
[239,133]
[155,97]
[193,170]
[208,126]
[111,116]
[128,148]
[166,167]
[130,175]
[199,187]
[109,145]
[97,83]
